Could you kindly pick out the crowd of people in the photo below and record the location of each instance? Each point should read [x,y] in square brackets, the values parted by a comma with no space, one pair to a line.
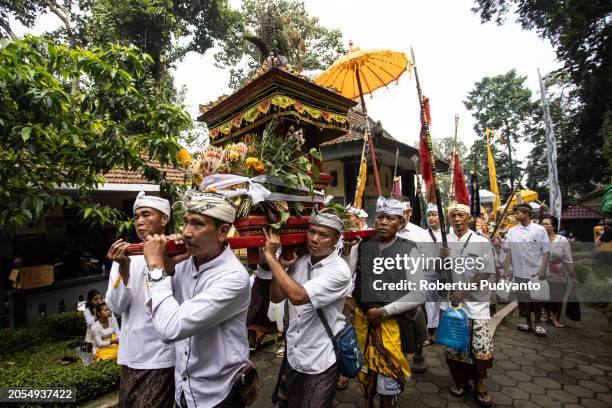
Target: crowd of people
[190,321]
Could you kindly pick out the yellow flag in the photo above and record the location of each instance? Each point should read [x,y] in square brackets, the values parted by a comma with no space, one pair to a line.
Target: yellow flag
[492,175]
[362,182]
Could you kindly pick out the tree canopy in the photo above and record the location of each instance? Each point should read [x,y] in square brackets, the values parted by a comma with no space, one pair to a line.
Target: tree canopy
[52,136]
[287,29]
[503,104]
[581,34]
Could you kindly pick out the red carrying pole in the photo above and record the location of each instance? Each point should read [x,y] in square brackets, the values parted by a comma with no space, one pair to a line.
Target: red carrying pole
[370,144]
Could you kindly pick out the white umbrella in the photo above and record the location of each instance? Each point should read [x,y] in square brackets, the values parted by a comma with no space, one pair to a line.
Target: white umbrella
[486,196]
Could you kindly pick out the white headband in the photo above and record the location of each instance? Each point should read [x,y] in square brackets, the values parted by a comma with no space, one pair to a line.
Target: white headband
[389,206]
[327,220]
[431,207]
[160,204]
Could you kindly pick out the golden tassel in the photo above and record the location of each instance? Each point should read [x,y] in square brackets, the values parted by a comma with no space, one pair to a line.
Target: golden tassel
[362,182]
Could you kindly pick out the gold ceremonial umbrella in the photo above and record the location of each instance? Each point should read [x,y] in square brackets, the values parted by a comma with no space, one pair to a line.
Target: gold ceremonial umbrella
[361,72]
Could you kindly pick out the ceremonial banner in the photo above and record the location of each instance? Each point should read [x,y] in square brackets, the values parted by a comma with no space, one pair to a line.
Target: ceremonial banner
[461,193]
[551,152]
[363,172]
[475,196]
[492,176]
[425,164]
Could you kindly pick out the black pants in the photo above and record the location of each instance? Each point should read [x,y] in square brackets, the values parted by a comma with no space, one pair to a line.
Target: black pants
[231,401]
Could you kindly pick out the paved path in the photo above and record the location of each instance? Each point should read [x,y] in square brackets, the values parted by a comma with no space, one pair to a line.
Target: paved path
[572,367]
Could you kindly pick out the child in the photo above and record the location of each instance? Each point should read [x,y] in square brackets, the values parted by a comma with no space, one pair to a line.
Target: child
[94,298]
[105,333]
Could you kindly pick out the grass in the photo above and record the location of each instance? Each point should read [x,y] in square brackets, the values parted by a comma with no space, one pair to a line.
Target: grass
[40,366]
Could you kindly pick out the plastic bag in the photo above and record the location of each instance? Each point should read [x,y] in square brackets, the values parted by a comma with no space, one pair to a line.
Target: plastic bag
[503,293]
[542,293]
[454,331]
[275,314]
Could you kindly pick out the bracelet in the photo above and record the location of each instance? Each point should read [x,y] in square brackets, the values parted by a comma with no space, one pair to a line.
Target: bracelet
[383,313]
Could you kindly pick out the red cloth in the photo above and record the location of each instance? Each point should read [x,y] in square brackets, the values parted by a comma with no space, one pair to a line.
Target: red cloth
[425,164]
[461,192]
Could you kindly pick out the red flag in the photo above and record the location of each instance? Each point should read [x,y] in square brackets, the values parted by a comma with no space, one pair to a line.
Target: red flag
[461,193]
[425,164]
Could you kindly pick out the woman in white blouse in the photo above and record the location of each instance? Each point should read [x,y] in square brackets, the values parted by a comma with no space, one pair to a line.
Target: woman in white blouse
[105,333]
[94,298]
[560,265]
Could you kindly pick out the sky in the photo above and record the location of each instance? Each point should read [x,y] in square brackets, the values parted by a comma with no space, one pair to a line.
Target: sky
[453,50]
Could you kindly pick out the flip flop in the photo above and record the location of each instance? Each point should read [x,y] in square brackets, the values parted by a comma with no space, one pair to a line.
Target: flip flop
[524,327]
[558,324]
[540,332]
[459,390]
[343,383]
[480,399]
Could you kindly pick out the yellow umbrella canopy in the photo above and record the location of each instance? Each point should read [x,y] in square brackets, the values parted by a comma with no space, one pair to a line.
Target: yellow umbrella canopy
[528,196]
[377,68]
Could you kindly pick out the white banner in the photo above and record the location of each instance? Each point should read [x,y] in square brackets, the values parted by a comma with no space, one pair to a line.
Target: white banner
[551,150]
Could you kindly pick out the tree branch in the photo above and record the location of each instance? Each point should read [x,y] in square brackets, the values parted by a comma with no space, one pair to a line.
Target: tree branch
[62,12]
[7,28]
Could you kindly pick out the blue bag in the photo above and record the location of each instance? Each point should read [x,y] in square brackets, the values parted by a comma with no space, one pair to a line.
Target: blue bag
[345,343]
[453,330]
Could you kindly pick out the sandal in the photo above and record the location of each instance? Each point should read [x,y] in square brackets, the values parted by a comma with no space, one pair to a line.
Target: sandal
[343,383]
[539,331]
[483,399]
[558,324]
[280,353]
[524,327]
[459,390]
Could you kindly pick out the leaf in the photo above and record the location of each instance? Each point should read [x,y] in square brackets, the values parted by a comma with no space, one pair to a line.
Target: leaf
[25,133]
[284,217]
[315,153]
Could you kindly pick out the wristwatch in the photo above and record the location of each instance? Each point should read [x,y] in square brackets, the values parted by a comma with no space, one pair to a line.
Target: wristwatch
[156,274]
[383,313]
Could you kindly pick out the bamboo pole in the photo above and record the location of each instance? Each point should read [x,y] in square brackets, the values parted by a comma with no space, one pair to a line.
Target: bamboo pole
[432,159]
[369,136]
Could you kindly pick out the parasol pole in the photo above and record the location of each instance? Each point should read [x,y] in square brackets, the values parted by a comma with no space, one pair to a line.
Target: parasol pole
[394,170]
[501,219]
[367,132]
[432,159]
[452,180]
[361,169]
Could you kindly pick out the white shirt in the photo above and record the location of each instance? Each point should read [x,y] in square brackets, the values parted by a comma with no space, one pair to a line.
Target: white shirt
[141,347]
[309,348]
[560,256]
[102,336]
[351,260]
[528,245]
[424,244]
[414,233]
[476,303]
[204,311]
[413,298]
[90,320]
[437,233]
